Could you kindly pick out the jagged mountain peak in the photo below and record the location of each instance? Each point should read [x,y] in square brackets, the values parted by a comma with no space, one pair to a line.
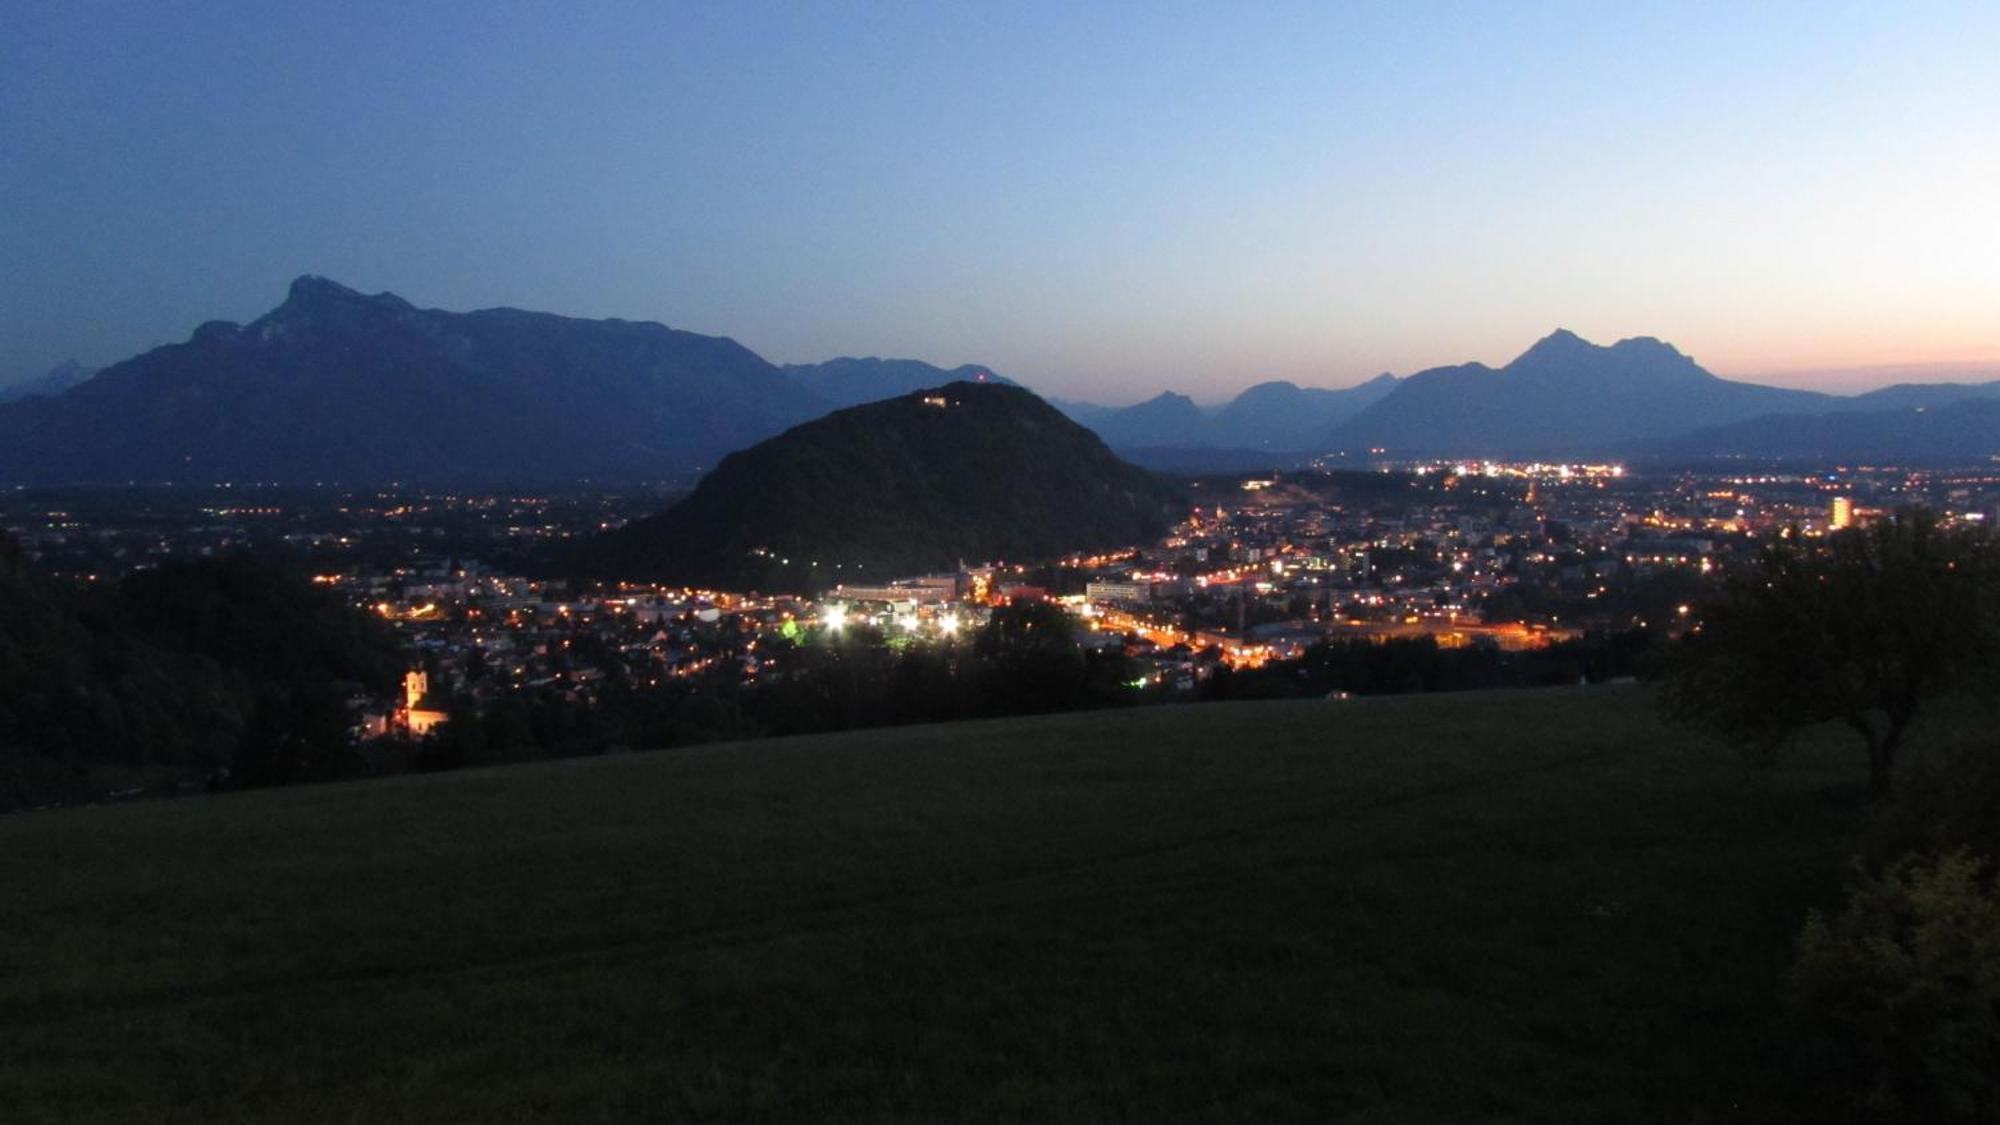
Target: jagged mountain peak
[1564,355]
[215,332]
[311,287]
[1560,344]
[1649,345]
[311,291]
[1269,389]
[1565,346]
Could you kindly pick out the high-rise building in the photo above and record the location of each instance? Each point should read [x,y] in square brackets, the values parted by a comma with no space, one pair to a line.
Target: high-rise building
[1843,513]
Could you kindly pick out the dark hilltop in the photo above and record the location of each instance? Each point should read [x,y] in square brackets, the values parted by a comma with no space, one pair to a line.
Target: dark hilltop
[919,483]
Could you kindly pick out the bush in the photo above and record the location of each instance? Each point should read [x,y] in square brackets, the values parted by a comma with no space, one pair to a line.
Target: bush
[1902,988]
[1949,798]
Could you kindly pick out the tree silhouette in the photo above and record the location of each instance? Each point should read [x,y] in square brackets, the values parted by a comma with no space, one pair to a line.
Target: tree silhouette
[1858,628]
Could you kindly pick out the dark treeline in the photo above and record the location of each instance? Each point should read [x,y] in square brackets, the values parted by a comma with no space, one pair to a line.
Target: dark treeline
[1400,667]
[197,674]
[1025,661]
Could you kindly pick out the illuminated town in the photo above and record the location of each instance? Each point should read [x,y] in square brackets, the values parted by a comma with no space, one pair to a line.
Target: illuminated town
[1501,556]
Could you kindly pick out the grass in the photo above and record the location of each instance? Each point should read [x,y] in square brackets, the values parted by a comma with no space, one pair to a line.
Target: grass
[1515,906]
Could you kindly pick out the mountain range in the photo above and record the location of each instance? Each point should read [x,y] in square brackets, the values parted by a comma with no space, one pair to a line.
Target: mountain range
[1276,416]
[53,382]
[850,382]
[1957,431]
[336,385]
[917,483]
[1564,396]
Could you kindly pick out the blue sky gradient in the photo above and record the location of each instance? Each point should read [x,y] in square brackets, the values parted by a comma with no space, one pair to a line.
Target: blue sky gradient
[1103,200]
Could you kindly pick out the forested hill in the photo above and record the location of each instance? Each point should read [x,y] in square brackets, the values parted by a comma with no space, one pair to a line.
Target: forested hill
[966,472]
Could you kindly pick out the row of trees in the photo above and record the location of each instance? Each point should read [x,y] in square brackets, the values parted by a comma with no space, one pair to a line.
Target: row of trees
[1025,660]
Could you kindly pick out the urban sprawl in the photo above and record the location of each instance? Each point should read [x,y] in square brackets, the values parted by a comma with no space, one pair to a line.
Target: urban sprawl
[1513,556]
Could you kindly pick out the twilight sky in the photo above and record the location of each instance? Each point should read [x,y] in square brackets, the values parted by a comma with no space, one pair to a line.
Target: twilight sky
[1101,200]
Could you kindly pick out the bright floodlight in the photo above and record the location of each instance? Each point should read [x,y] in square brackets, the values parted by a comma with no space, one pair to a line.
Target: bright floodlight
[948,624]
[836,616]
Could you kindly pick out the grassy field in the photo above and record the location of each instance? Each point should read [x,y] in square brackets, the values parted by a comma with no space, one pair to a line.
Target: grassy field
[1525,906]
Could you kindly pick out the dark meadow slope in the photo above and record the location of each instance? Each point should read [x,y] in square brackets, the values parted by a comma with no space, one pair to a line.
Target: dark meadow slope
[1484,907]
[335,385]
[965,473]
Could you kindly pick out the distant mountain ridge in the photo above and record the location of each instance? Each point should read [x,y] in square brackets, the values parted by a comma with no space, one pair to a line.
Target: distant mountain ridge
[1277,416]
[338,386]
[341,386]
[1564,395]
[55,381]
[848,381]
[1963,430]
[1909,396]
[966,472]
[1285,416]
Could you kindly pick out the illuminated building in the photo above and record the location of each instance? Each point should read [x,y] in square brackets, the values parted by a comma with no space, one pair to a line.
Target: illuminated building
[1843,513]
[1126,592]
[417,717]
[929,589]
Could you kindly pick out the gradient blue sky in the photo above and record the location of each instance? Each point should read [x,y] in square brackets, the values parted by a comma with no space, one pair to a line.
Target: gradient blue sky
[1101,200]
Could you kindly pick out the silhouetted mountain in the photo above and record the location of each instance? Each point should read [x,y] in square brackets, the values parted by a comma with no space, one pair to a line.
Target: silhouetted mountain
[1907,396]
[1166,419]
[967,472]
[1286,416]
[851,382]
[1964,431]
[1564,395]
[335,385]
[1086,413]
[58,379]
[1276,417]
